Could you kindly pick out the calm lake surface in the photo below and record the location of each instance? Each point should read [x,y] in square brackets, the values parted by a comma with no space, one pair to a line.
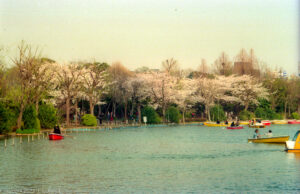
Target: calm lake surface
[177,159]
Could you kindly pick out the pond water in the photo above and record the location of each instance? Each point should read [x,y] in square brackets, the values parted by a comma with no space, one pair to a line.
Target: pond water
[177,159]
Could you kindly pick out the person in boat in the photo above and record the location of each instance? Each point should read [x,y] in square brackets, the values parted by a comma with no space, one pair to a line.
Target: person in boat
[226,122]
[237,123]
[269,134]
[218,122]
[57,129]
[256,134]
[232,124]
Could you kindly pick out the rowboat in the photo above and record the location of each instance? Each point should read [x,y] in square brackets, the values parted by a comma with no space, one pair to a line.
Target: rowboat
[294,122]
[257,125]
[281,139]
[266,123]
[215,124]
[294,145]
[279,122]
[55,136]
[244,123]
[236,127]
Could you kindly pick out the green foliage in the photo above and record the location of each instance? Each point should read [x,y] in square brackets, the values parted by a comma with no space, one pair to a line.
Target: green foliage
[264,111]
[47,116]
[27,131]
[295,115]
[89,120]
[7,119]
[173,114]
[151,114]
[30,118]
[217,113]
[245,115]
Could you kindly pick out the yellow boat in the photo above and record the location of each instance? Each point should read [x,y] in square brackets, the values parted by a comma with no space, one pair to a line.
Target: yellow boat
[257,125]
[294,145]
[244,123]
[209,124]
[281,139]
[279,122]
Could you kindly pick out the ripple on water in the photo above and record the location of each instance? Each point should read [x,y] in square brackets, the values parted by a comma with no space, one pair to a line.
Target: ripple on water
[157,160]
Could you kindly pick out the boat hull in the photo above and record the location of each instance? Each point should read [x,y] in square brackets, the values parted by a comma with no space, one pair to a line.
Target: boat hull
[257,126]
[293,122]
[239,127]
[292,150]
[266,123]
[215,125]
[278,122]
[279,140]
[53,136]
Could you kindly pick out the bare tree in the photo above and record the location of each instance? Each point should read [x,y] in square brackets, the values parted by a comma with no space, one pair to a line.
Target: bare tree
[29,73]
[170,66]
[223,65]
[119,74]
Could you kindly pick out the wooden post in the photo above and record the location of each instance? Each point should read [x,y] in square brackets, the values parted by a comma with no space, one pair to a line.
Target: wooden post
[20,139]
[5,143]
[32,137]
[38,136]
[13,143]
[28,137]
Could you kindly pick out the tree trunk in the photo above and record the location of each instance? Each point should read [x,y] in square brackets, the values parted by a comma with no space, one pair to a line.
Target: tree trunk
[285,106]
[68,111]
[183,118]
[99,110]
[125,112]
[91,108]
[139,113]
[207,111]
[19,122]
[76,113]
[299,107]
[246,106]
[164,113]
[114,109]
[37,107]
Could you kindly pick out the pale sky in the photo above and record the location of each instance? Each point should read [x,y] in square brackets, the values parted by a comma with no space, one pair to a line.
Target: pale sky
[146,32]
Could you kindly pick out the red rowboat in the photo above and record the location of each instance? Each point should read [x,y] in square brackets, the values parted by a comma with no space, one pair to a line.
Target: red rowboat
[237,127]
[266,123]
[294,122]
[54,136]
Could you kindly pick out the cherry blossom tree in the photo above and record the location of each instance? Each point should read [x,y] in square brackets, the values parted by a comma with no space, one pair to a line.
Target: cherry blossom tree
[138,90]
[69,83]
[211,90]
[95,82]
[184,95]
[161,87]
[248,90]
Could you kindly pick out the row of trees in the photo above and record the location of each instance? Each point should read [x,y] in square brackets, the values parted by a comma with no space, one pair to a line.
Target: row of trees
[114,90]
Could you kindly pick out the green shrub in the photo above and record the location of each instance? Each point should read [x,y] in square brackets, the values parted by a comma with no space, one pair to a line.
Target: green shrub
[217,113]
[245,115]
[266,113]
[7,119]
[27,131]
[173,114]
[30,118]
[47,116]
[89,120]
[152,116]
[295,115]
[278,116]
